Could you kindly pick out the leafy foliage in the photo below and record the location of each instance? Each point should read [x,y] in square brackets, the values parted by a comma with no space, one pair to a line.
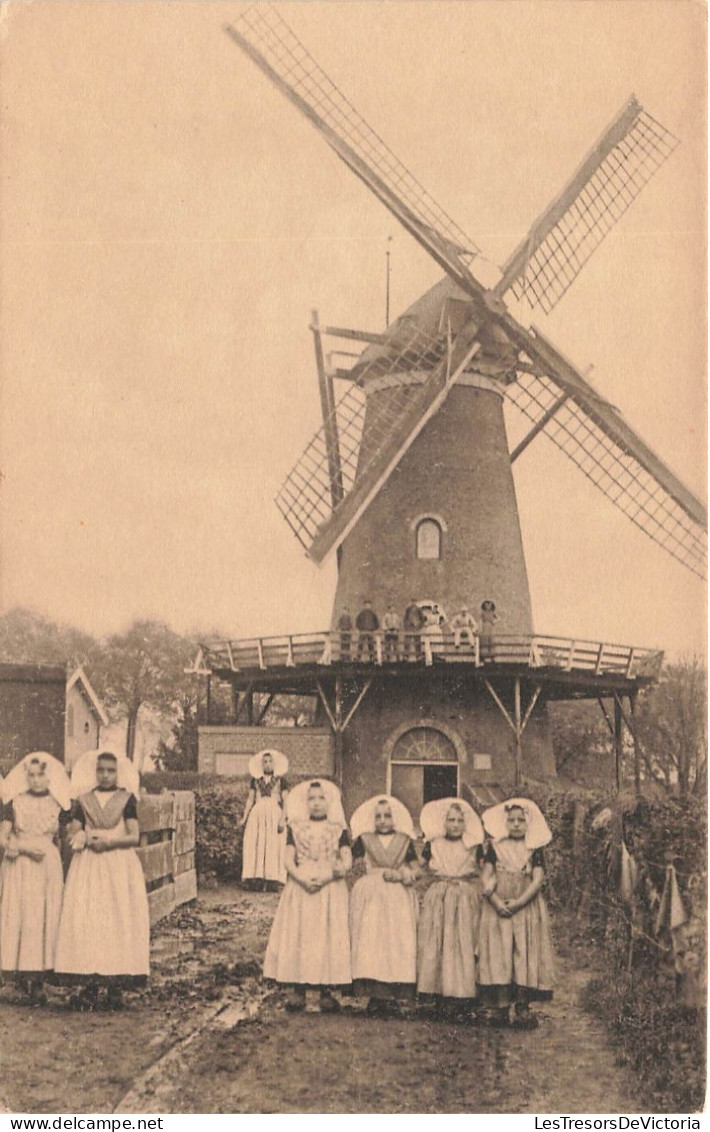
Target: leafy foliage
[181,751]
[655,1013]
[218,846]
[30,638]
[671,724]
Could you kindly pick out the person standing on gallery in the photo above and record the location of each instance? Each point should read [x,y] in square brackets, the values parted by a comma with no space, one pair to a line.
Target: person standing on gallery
[413,623]
[367,624]
[391,623]
[264,823]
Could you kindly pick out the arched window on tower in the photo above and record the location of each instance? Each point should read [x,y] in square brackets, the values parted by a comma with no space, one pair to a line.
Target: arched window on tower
[428,539]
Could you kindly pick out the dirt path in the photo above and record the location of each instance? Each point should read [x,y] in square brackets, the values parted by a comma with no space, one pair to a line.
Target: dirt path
[353,1064]
[204,1039]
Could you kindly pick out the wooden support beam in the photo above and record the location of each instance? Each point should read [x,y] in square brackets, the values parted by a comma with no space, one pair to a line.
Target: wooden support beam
[355,335]
[208,699]
[263,711]
[606,715]
[598,666]
[637,746]
[326,705]
[500,704]
[338,737]
[361,696]
[231,658]
[249,700]
[518,733]
[631,724]
[531,705]
[537,428]
[235,703]
[618,741]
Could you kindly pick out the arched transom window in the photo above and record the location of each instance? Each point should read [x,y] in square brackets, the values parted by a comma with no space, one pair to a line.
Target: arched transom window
[424,745]
[428,539]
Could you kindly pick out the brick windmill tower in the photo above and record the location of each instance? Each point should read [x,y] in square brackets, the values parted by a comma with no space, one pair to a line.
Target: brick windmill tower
[409,479]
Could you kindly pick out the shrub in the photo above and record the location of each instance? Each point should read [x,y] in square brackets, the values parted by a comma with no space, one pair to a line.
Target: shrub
[218,838]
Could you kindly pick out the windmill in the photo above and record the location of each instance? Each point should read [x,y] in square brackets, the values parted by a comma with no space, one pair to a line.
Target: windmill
[409,477]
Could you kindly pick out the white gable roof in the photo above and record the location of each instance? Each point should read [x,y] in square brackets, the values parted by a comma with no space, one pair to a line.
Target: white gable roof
[79,677]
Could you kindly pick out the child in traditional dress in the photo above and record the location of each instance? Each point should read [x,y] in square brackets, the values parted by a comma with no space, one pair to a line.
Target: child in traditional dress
[263,821]
[309,945]
[448,927]
[37,796]
[104,931]
[515,946]
[383,905]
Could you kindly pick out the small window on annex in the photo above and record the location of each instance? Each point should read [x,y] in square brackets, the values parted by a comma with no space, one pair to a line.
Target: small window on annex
[428,539]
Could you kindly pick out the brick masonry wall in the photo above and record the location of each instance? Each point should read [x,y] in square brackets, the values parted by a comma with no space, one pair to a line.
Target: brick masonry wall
[468,716]
[227,749]
[458,468]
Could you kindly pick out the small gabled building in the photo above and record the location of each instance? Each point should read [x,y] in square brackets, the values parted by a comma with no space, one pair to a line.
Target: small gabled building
[85,715]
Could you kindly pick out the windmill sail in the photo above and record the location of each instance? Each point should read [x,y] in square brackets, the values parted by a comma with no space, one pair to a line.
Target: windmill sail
[549,259]
[594,435]
[265,37]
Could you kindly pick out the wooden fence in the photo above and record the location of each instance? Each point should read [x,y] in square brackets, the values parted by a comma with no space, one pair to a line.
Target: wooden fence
[167,850]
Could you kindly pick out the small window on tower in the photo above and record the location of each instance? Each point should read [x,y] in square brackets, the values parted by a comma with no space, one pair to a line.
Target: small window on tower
[428,539]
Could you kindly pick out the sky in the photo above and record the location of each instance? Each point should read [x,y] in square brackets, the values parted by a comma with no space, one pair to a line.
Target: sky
[168,223]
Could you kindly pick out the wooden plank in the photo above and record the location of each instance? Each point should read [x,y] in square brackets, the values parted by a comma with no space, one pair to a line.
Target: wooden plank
[184,805]
[161,903]
[157,860]
[185,887]
[156,812]
[183,863]
[354,335]
[184,837]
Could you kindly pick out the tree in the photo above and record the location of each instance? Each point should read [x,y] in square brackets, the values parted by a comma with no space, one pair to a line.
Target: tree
[144,665]
[27,637]
[670,724]
[181,750]
[581,742]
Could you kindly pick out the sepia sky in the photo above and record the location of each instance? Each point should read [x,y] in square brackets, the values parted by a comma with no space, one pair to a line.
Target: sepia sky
[168,223]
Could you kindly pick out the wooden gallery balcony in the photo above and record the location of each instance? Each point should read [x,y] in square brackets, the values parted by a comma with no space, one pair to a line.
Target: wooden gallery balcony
[567,667]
